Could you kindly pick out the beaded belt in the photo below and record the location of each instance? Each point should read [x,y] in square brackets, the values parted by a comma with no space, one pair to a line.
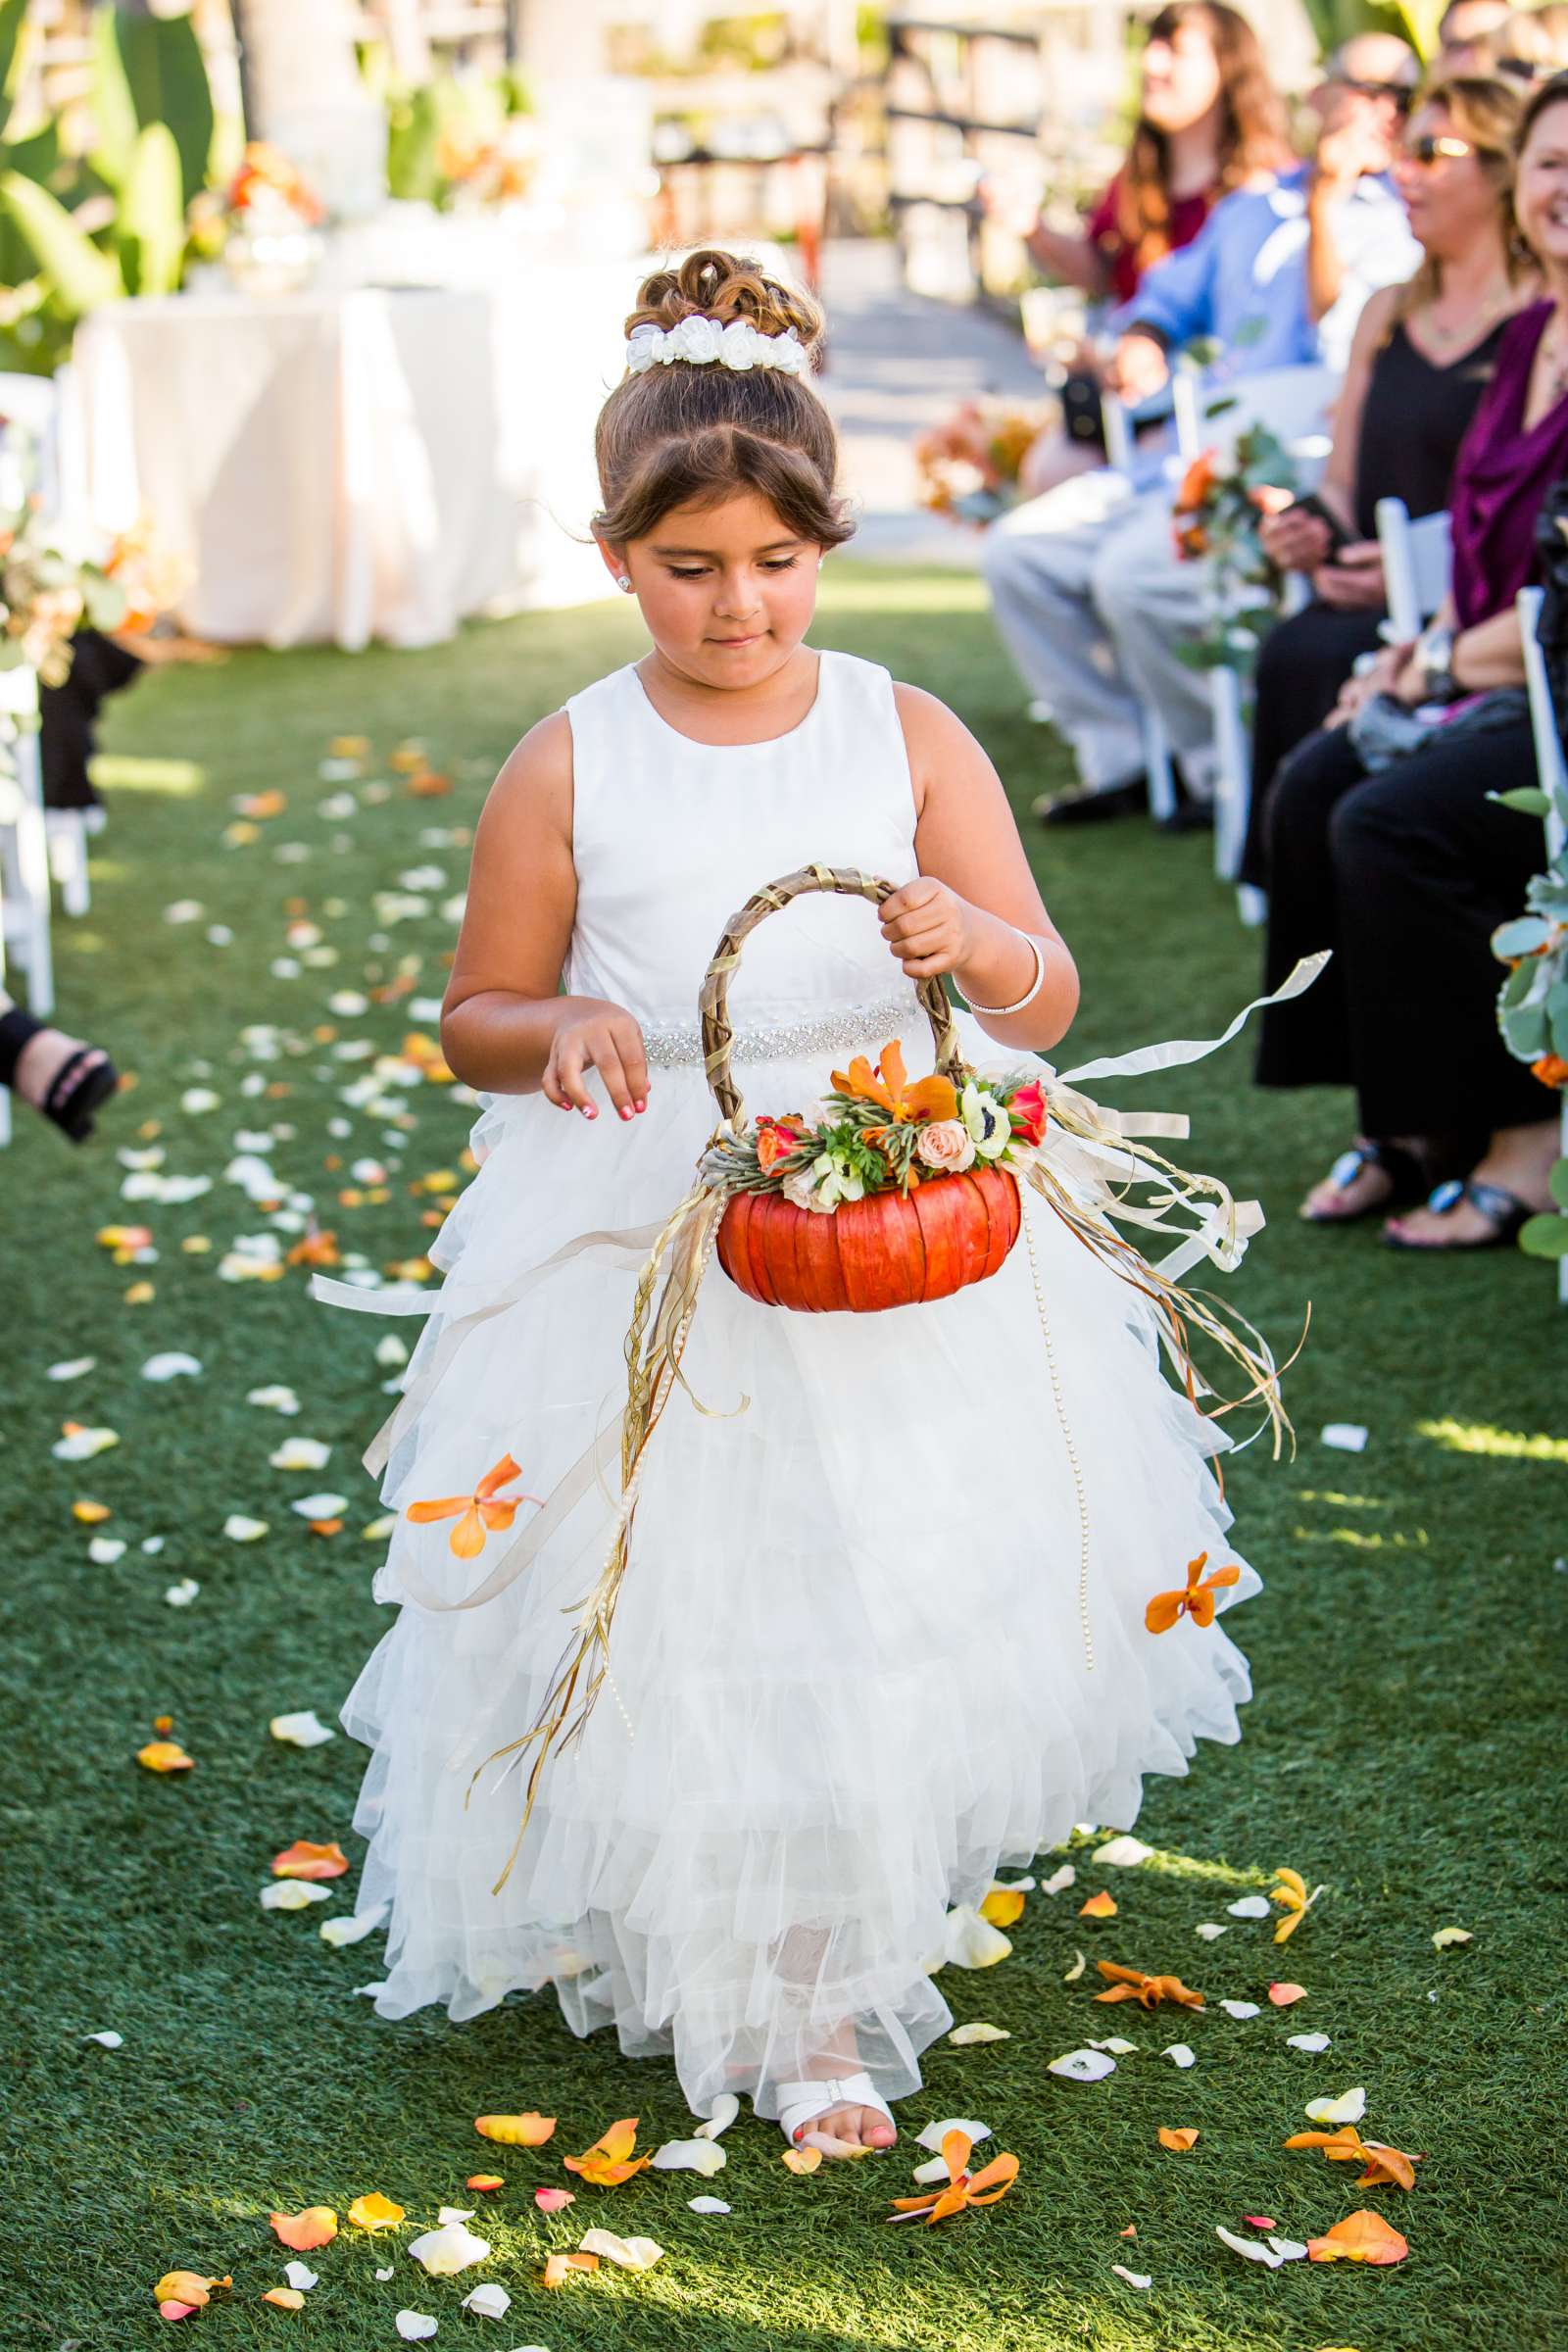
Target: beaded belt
[834,1033]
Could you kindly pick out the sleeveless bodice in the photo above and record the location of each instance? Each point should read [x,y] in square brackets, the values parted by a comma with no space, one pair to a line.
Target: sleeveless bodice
[670,837]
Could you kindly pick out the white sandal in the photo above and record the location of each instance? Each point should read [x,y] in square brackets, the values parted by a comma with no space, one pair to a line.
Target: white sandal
[799,2102]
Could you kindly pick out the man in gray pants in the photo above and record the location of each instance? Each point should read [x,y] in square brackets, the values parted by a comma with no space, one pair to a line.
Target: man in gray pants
[1086,584]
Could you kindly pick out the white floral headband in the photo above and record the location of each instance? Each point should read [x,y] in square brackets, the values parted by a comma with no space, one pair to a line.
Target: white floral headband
[699,341]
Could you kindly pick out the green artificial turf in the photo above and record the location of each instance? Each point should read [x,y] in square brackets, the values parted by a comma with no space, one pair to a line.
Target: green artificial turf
[1402,1749]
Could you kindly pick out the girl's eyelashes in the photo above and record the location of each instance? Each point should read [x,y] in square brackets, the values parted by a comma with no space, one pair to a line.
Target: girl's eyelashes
[773,563]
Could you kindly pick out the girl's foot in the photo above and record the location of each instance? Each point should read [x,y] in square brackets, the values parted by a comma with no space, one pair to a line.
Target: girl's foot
[835,2112]
[64,1078]
[1371,1175]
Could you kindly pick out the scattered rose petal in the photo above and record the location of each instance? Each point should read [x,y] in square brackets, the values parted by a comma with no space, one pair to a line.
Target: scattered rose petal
[1122,1853]
[384,2274]
[1345,1437]
[1177,2136]
[1362,2237]
[302,2232]
[199,1098]
[1288,2249]
[1099,1906]
[187,2289]
[341,1932]
[173,1366]
[277,1398]
[803,2160]
[935,2134]
[1284,1996]
[241,1529]
[1240,2009]
[559,2267]
[968,2037]
[304,1860]
[454,2213]
[1250,2248]
[631,2253]
[689,2156]
[554,2200]
[1115,2043]
[375,2212]
[935,2170]
[1059,1879]
[970,1941]
[321,1507]
[105,1551]
[1348,2108]
[1003,1906]
[163,1756]
[726,2107]
[180,1596]
[1077,1969]
[292,1895]
[1260,2221]
[484,2182]
[1250,1906]
[528,2131]
[490,2301]
[1137,2278]
[72,1369]
[708,2205]
[1308,2041]
[1179,2054]
[450,2249]
[306,1730]
[299,2276]
[301,1454]
[286,2298]
[80,1444]
[1444,1936]
[609,2161]
[1082,2065]
[414,2325]
[109,2041]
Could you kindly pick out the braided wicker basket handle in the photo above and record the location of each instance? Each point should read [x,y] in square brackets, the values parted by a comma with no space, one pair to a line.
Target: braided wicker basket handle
[713,1002]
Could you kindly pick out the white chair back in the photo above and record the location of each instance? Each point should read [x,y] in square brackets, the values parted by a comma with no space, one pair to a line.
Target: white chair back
[1416,560]
[1552,775]
[1293,403]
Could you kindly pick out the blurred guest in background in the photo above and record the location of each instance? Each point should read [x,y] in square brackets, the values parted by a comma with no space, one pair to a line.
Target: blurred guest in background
[1422,357]
[1466,36]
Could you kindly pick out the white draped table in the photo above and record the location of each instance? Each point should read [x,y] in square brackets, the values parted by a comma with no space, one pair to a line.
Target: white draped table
[367,462]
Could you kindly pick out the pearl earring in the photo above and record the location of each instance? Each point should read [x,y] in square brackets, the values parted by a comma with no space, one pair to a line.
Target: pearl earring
[623,581]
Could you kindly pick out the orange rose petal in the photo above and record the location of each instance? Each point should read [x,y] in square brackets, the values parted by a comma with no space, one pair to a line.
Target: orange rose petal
[165,1755]
[288,2298]
[374,2212]
[806,2160]
[303,1860]
[302,2232]
[1282,1995]
[1130,2230]
[482,2184]
[1179,2136]
[1361,2237]
[1004,1906]
[559,2266]
[1099,1906]
[90,1514]
[527,2131]
[554,2200]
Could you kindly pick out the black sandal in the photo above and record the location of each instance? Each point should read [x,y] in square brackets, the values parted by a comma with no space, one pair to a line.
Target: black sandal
[76,1089]
[1408,1173]
[1503,1211]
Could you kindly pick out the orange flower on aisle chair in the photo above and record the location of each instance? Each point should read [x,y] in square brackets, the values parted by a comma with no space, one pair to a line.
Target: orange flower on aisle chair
[933,1097]
[1131,1984]
[478,1514]
[1193,1599]
[964,2187]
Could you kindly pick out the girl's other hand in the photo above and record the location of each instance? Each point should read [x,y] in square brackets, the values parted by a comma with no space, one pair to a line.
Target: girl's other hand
[594,1034]
[1353,582]
[928,927]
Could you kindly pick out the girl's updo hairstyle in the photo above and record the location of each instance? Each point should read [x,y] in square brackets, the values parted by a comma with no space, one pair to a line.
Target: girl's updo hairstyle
[683,434]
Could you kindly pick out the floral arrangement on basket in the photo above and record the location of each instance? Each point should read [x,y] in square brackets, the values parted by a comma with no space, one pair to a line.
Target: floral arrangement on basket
[1217,517]
[969,466]
[887,1193]
[1533,1002]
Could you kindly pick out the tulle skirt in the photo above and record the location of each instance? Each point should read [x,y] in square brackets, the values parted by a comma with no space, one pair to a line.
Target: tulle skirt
[882,1629]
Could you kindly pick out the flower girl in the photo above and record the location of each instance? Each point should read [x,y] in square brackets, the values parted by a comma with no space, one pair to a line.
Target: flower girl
[887,1619]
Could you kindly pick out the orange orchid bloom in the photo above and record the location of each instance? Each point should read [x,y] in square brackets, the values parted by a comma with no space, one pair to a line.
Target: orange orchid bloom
[609,2161]
[1292,1898]
[476,1514]
[963,2187]
[1195,1600]
[931,1097]
[1346,2146]
[1131,1984]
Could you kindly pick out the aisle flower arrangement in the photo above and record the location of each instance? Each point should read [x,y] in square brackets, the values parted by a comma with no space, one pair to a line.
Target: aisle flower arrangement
[48,589]
[879,1132]
[1533,1001]
[1217,519]
[969,466]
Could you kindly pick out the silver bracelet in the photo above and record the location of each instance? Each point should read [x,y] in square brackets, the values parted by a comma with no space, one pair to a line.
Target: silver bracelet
[1033,990]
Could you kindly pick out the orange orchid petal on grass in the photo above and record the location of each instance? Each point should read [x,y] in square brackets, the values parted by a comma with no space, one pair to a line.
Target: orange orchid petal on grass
[302,2232]
[303,1860]
[1361,2237]
[1131,1984]
[1346,2146]
[529,2131]
[609,2161]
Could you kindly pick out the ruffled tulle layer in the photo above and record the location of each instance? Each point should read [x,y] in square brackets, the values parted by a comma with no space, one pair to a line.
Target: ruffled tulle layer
[881,1632]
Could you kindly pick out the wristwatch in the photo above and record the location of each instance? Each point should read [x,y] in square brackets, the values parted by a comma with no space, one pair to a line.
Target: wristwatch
[1433,656]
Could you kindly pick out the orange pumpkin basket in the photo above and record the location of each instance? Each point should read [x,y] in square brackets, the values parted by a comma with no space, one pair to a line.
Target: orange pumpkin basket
[891,1249]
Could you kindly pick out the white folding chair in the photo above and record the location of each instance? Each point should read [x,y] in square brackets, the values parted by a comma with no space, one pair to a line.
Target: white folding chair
[1157,747]
[47,410]
[25,842]
[1416,560]
[1552,773]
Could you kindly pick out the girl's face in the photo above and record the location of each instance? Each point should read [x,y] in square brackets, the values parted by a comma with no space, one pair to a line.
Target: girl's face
[1449,199]
[1181,77]
[727,591]
[1540,191]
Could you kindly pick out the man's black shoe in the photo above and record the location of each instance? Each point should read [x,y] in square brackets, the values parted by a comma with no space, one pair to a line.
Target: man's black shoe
[1082,806]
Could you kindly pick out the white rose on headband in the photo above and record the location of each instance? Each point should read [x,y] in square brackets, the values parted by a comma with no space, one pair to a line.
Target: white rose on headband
[643,347]
[697,339]
[737,345]
[788,352]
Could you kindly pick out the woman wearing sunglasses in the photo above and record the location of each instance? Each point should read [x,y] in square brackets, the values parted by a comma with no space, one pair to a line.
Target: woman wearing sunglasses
[1422,357]
[1383,842]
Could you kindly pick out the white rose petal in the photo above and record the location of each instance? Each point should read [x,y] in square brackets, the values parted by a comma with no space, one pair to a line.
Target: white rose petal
[703,2156]
[1251,1906]
[1308,2041]
[81,1445]
[300,2277]
[171,1366]
[726,2107]
[934,2134]
[1116,2044]
[293,1894]
[153,1544]
[632,2253]
[711,2205]
[1288,2249]
[1348,2108]
[391,1350]
[1059,1879]
[936,2169]
[1180,2055]
[241,1529]
[1137,2278]
[183,911]
[452,2248]
[1250,2248]
[1240,2008]
[970,1941]
[321,1507]
[1077,1969]
[72,1369]
[1345,1437]
[385,2274]
[1123,1853]
[306,1730]
[490,2301]
[1209,1929]
[301,1454]
[108,2041]
[180,1596]
[104,1551]
[968,2038]
[341,1932]
[454,2213]
[197,1099]
[414,2325]
[1082,2065]
[277,1398]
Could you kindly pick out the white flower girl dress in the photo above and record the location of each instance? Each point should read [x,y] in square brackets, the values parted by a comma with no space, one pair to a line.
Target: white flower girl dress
[882,1628]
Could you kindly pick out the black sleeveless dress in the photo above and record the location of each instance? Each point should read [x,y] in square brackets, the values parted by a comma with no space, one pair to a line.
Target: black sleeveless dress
[1415,417]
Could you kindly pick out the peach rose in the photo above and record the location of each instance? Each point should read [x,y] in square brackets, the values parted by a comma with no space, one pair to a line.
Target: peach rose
[946,1145]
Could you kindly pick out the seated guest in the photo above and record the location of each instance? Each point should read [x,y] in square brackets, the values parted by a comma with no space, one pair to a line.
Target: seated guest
[1532,43]
[1394,854]
[1467,35]
[1210,121]
[1085,583]
[1422,355]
